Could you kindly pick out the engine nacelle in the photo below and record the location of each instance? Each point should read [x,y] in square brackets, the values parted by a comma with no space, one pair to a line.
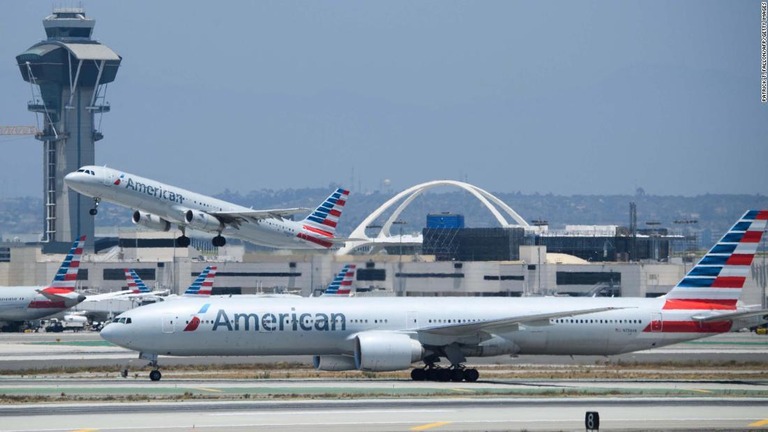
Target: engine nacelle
[150,220]
[491,347]
[334,363]
[203,221]
[384,351]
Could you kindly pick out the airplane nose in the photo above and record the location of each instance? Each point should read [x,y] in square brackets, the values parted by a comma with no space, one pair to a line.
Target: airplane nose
[112,333]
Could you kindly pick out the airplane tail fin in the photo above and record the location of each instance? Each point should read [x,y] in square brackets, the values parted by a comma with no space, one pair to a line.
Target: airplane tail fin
[319,227]
[203,285]
[342,283]
[66,276]
[716,281]
[135,284]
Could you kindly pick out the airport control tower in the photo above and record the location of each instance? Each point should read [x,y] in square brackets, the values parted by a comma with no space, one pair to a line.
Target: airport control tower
[68,73]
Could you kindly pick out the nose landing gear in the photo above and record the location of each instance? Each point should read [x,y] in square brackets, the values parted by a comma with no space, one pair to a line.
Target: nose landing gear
[95,210]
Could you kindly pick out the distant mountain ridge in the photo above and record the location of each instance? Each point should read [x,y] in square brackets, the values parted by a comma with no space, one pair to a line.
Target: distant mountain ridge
[711,213]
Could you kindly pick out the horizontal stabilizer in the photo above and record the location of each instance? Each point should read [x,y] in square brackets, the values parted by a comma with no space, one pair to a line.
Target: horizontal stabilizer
[731,316]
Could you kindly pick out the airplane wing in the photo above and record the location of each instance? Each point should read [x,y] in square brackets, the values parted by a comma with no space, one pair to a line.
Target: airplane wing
[506,324]
[256,215]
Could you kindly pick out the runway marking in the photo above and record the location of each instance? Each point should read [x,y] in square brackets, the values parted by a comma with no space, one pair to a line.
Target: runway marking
[701,390]
[463,390]
[212,390]
[430,426]
[85,430]
[759,423]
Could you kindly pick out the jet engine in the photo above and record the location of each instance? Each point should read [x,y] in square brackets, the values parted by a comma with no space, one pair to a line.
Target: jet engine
[384,351]
[150,220]
[334,363]
[203,221]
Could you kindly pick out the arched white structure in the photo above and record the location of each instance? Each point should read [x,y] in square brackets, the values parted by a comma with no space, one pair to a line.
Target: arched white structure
[361,239]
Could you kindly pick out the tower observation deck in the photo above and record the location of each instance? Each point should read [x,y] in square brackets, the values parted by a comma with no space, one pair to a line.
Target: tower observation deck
[69,73]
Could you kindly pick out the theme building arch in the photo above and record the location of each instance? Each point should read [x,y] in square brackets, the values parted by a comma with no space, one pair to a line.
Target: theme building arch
[491,202]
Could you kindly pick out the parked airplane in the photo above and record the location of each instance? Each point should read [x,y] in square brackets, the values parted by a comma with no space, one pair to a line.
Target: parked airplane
[137,287]
[384,334]
[26,303]
[159,206]
[107,307]
[201,286]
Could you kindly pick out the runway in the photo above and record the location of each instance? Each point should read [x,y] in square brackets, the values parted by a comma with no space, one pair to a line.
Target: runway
[456,414]
[673,388]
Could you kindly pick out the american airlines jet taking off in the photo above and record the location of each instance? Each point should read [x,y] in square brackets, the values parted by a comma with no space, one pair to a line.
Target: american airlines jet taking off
[26,303]
[159,206]
[390,333]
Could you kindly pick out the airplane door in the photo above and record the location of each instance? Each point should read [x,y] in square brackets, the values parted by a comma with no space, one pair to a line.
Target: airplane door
[109,178]
[656,322]
[169,323]
[411,320]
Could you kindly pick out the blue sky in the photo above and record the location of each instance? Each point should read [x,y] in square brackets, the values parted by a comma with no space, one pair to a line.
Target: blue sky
[552,97]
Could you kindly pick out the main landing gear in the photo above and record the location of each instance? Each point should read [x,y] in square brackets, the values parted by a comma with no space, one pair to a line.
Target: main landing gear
[183,241]
[95,210]
[455,373]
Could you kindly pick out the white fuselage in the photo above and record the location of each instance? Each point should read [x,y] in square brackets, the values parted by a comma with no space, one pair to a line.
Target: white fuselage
[326,326]
[171,203]
[24,303]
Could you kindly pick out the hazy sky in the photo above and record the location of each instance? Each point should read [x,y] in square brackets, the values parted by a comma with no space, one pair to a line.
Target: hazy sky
[551,97]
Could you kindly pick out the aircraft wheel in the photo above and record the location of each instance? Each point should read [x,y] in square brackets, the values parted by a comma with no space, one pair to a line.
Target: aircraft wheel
[457,375]
[431,374]
[155,375]
[418,375]
[444,375]
[219,241]
[182,241]
[471,375]
[93,211]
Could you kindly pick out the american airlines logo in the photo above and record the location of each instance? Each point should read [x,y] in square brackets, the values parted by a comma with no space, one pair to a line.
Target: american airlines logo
[269,322]
[155,191]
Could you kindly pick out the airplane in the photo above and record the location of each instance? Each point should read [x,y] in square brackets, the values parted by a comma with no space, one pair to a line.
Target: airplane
[341,285]
[26,303]
[137,287]
[159,206]
[201,286]
[104,307]
[391,333]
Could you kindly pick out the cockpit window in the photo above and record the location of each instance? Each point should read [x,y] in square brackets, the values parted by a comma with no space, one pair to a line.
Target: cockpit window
[86,171]
[122,320]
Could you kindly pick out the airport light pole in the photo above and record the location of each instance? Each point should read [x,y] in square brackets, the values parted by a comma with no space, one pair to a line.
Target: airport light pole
[400,290]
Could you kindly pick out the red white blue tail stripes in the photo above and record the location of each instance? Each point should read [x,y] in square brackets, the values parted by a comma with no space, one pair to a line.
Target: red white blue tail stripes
[203,285]
[716,281]
[135,284]
[342,283]
[320,225]
[66,276]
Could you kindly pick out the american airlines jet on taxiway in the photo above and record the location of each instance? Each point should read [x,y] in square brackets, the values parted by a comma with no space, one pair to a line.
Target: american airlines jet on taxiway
[159,206]
[390,333]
